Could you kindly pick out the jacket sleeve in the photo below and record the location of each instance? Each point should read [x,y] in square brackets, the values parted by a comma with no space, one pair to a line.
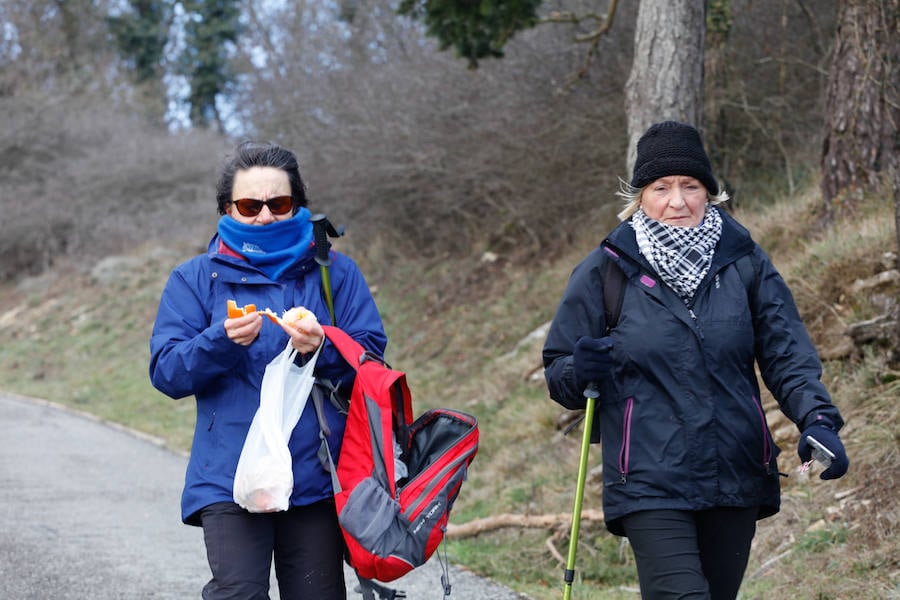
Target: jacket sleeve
[187,350]
[580,313]
[787,359]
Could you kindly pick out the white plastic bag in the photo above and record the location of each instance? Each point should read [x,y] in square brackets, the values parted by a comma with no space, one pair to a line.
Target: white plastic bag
[264,478]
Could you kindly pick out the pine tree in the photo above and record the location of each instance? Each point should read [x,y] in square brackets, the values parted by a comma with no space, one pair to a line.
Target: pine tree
[141,35]
[209,26]
[476,29]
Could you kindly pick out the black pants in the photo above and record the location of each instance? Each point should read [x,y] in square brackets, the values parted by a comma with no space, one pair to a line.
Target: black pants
[696,555]
[306,543]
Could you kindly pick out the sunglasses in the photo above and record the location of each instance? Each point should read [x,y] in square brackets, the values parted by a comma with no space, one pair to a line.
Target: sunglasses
[250,207]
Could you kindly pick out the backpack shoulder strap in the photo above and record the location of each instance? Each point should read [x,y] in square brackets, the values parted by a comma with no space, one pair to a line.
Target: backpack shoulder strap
[613,293]
[349,349]
[324,452]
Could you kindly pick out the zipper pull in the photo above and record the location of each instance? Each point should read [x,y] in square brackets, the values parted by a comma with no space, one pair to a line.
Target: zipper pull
[696,322]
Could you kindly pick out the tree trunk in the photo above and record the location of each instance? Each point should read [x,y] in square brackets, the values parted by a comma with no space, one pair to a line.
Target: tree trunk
[666,80]
[895,180]
[861,104]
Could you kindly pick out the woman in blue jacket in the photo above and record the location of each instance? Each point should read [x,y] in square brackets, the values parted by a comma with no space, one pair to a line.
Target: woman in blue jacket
[263,254]
[689,464]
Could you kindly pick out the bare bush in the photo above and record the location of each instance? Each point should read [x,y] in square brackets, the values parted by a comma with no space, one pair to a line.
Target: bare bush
[432,158]
[84,180]
[417,154]
[83,176]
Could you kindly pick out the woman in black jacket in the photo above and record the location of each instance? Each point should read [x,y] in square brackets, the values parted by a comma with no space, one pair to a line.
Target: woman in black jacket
[689,464]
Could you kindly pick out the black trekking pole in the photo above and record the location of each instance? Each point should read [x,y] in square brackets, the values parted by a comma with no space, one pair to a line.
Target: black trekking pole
[322,230]
[590,394]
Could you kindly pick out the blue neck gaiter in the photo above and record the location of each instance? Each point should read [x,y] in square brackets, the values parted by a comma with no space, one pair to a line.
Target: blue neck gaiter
[271,248]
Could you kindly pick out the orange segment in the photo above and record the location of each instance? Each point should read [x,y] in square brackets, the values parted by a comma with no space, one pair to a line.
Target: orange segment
[233,310]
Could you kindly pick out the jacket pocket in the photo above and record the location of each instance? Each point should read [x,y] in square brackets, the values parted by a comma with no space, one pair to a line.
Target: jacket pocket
[206,440]
[767,451]
[625,448]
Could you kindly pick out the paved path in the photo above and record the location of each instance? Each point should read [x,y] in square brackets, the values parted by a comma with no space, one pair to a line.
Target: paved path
[91,512]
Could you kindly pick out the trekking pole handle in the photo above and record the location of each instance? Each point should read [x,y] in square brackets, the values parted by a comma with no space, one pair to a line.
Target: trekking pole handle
[322,230]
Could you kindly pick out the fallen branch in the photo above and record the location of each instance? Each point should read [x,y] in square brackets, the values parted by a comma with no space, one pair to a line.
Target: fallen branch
[762,569]
[890,277]
[473,528]
[880,328]
[554,552]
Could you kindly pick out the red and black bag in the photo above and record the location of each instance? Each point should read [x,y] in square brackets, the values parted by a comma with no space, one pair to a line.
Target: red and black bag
[392,521]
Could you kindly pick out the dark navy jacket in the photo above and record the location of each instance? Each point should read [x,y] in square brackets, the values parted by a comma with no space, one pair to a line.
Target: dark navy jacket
[681,419]
[192,355]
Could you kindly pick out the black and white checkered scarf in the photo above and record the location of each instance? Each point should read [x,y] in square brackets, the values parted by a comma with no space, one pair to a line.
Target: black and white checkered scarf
[680,255]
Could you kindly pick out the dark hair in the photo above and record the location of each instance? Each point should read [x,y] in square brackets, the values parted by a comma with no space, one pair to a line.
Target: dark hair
[249,154]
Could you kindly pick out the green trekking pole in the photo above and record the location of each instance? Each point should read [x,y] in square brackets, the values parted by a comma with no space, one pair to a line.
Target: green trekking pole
[590,394]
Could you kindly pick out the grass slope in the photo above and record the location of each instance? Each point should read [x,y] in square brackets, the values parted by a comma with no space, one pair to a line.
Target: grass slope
[469,336]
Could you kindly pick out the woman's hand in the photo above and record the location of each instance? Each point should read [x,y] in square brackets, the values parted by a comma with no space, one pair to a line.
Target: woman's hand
[306,334]
[592,360]
[828,437]
[244,329]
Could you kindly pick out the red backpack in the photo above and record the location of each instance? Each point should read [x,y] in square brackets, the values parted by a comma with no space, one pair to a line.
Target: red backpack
[392,522]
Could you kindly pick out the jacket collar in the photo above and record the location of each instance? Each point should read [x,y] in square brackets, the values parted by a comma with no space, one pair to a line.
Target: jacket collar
[218,252]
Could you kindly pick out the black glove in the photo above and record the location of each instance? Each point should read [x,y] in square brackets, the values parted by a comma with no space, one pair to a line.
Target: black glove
[591,359]
[828,438]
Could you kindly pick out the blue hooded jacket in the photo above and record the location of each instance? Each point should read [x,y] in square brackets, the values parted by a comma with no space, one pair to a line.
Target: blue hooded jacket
[191,355]
[681,421]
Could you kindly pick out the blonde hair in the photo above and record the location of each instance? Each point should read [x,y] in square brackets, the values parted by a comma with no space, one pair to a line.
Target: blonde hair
[632,197]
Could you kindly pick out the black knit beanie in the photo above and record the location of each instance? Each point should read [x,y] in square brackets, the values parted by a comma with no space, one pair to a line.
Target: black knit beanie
[671,148]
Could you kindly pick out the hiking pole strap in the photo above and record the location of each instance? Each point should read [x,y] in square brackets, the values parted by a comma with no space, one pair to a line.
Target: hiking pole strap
[590,394]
